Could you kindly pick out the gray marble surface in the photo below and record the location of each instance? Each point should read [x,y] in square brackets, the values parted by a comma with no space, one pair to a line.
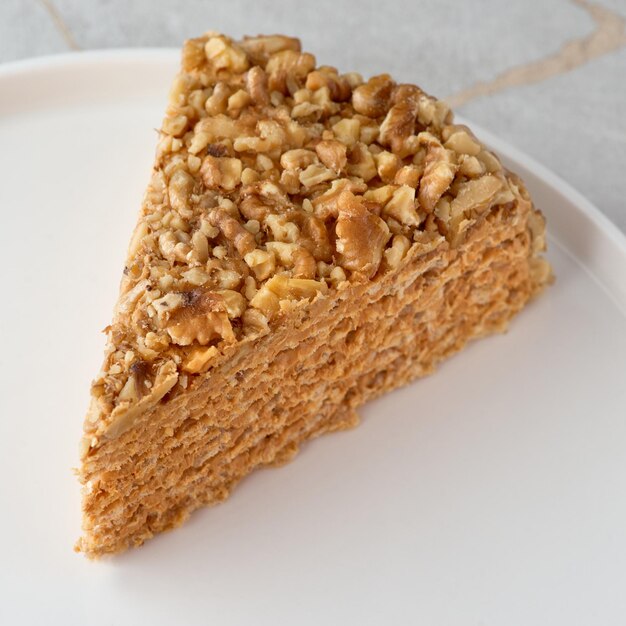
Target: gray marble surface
[549,76]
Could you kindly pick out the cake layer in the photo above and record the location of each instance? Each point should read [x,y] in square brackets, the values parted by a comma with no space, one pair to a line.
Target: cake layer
[266,397]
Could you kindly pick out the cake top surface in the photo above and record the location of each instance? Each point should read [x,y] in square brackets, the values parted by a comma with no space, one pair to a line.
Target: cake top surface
[275,182]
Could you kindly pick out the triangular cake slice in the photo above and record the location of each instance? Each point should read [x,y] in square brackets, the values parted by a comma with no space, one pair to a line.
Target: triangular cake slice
[308,241]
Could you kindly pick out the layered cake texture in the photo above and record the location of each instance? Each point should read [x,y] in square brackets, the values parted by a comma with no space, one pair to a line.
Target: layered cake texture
[309,240]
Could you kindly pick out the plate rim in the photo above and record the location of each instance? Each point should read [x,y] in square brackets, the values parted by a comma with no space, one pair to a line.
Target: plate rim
[124,574]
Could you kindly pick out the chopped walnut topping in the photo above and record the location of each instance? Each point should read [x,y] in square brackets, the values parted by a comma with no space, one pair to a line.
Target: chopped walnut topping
[233,231]
[347,130]
[381,195]
[397,127]
[217,102]
[401,206]
[387,165]
[221,172]
[361,163]
[288,69]
[470,166]
[408,175]
[475,195]
[262,47]
[399,247]
[315,174]
[256,84]
[198,358]
[361,236]
[224,54]
[439,172]
[338,87]
[295,288]
[332,154]
[372,98]
[175,125]
[325,205]
[202,318]
[179,188]
[460,140]
[275,181]
[261,262]
[297,159]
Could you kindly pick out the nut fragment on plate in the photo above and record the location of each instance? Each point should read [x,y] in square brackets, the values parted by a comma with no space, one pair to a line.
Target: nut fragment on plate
[277,181]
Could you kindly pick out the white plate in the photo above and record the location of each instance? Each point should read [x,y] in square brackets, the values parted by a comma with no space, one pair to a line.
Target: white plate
[490,493]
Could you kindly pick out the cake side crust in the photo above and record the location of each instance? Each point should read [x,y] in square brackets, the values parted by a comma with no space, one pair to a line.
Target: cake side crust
[331,357]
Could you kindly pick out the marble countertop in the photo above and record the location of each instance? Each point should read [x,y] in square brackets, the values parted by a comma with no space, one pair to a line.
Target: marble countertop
[548,76]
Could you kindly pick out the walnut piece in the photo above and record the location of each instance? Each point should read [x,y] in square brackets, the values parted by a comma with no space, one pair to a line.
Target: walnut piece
[256,84]
[439,172]
[401,206]
[397,127]
[332,154]
[202,318]
[198,358]
[221,172]
[361,236]
[372,98]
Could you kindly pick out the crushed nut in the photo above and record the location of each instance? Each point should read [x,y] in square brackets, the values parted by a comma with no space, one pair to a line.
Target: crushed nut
[238,101]
[361,236]
[175,125]
[399,247]
[180,188]
[281,229]
[408,175]
[201,246]
[261,262]
[288,65]
[266,301]
[470,166]
[297,159]
[332,154]
[315,174]
[195,276]
[361,162]
[402,206]
[221,172]
[198,359]
[347,130]
[387,165]
[462,141]
[217,102]
[439,172]
[233,231]
[294,288]
[202,318]
[475,195]
[372,98]
[381,195]
[338,87]
[262,47]
[256,83]
[397,127]
[224,54]
[234,302]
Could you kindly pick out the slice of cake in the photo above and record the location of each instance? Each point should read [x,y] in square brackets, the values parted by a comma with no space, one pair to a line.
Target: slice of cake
[308,241]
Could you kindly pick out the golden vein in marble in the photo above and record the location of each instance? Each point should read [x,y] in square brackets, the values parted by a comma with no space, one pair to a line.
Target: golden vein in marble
[608,36]
[60,24]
